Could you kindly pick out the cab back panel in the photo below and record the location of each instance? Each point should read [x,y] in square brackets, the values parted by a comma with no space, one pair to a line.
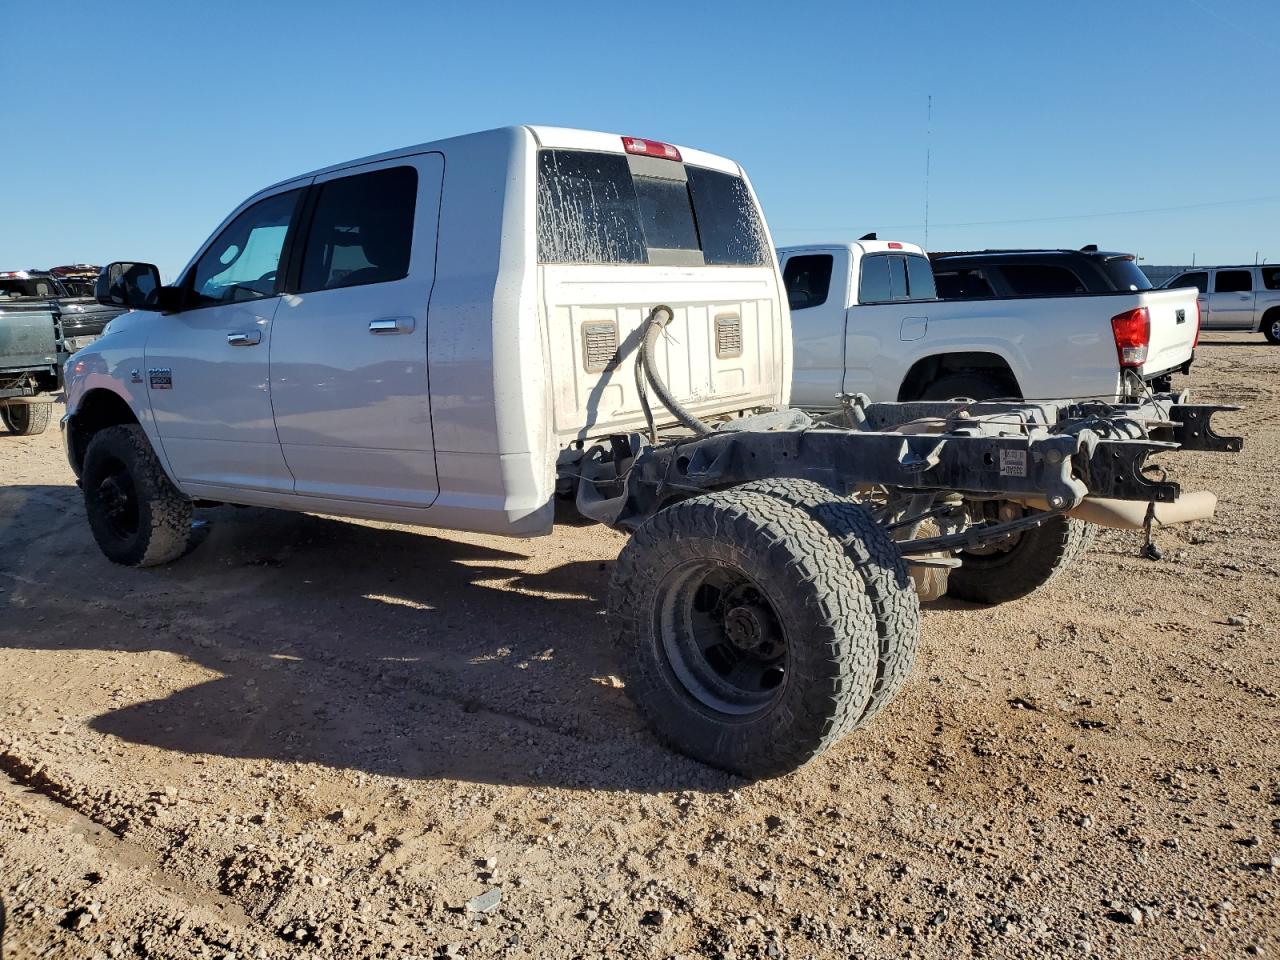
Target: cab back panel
[722,352]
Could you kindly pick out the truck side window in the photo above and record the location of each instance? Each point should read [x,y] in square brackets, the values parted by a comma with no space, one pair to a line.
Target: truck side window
[1199,280]
[1038,279]
[1271,278]
[1232,281]
[808,280]
[242,263]
[362,230]
[873,287]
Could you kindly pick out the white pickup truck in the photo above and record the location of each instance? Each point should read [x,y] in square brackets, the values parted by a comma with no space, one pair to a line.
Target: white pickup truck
[865,319]
[461,333]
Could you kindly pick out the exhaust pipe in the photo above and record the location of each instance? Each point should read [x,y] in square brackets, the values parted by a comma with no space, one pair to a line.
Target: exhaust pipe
[1132,514]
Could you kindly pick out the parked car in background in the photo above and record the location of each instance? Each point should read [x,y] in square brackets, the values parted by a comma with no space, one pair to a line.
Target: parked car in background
[1036,273]
[78,278]
[866,318]
[1236,298]
[31,359]
[78,316]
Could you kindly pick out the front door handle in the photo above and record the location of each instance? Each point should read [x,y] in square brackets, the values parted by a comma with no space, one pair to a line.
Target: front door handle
[391,325]
[248,339]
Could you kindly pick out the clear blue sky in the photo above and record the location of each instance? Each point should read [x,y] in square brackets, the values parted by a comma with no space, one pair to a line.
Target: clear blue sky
[135,129]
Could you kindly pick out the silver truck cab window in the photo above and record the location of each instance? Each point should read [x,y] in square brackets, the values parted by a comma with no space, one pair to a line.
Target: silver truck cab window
[243,262]
[362,230]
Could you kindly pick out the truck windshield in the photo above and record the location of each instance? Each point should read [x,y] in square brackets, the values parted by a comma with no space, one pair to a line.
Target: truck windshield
[593,209]
[1124,273]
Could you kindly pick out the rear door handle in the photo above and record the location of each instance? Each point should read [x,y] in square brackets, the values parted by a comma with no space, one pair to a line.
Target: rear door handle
[248,339]
[391,325]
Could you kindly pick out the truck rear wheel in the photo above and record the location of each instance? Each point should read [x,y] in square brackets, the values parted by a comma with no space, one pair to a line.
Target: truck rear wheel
[137,516]
[885,578]
[26,419]
[749,641]
[1003,572]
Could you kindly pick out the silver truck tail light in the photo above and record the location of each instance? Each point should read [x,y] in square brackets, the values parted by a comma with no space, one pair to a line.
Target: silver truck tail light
[650,148]
[1132,330]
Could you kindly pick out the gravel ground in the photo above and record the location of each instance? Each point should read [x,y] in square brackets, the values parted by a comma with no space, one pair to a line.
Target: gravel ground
[314,737]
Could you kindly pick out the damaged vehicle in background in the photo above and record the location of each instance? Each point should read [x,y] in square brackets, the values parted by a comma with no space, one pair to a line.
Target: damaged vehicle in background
[598,321]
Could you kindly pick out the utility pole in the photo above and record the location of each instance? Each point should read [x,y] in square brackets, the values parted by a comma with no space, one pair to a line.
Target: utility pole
[928,145]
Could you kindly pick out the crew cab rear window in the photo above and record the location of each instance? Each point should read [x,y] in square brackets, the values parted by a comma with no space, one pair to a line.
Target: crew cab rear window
[1037,279]
[1232,281]
[808,280]
[1271,278]
[361,231]
[593,209]
[886,277]
[1199,280]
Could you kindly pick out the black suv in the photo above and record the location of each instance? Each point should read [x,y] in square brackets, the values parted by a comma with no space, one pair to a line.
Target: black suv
[1035,273]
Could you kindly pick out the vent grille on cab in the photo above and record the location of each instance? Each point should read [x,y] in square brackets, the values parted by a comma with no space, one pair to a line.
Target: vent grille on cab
[599,345]
[728,335]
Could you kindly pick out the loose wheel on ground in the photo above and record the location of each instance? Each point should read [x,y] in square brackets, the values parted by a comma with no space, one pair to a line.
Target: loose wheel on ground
[26,419]
[137,516]
[748,638]
[1022,564]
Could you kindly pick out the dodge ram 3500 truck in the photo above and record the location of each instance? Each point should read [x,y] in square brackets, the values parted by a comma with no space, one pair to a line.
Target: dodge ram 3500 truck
[461,333]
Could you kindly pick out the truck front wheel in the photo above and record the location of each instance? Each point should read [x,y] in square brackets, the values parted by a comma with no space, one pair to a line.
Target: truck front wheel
[137,516]
[26,419]
[748,637]
[1021,565]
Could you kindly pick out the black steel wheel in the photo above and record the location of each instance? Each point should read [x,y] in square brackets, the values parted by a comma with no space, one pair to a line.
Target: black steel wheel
[748,639]
[137,516]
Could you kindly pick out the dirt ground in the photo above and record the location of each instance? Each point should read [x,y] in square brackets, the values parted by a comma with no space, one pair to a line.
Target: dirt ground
[319,737]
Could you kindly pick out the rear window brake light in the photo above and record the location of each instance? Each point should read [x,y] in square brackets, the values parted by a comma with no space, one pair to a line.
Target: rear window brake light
[894,245]
[650,148]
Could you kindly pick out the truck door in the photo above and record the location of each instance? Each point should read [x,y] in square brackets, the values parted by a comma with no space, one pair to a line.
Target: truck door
[891,312]
[349,354]
[205,368]
[1231,302]
[816,293]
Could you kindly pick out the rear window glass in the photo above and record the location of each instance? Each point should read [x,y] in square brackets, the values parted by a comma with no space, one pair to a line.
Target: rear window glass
[1037,279]
[873,286]
[1199,280]
[1232,281]
[962,284]
[1124,274]
[592,210]
[920,282]
[808,280]
[1271,278]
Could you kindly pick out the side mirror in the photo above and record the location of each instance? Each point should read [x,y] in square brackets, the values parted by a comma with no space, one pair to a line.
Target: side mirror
[135,286]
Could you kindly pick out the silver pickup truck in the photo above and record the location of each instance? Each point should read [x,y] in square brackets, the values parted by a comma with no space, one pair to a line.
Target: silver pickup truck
[1236,298]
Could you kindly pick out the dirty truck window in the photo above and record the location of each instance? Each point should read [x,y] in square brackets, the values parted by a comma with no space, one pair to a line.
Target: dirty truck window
[242,263]
[362,230]
[592,210]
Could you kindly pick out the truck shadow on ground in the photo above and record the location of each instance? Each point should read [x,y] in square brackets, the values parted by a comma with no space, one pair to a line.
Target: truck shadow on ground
[310,639]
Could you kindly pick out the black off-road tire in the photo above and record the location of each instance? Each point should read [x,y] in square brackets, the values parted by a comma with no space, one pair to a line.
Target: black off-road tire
[815,603]
[138,517]
[26,419]
[1271,326]
[885,578]
[1039,555]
